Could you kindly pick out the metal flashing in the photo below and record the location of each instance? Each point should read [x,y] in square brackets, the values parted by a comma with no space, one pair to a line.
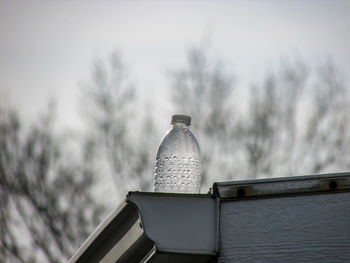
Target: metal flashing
[322,183]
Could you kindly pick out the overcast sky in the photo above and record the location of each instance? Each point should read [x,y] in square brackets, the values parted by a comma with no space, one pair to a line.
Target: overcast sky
[47,47]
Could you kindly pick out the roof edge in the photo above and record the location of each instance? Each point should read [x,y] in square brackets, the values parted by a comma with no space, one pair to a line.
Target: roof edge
[292,185]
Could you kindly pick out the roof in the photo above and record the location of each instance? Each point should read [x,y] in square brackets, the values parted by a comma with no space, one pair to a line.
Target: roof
[167,227]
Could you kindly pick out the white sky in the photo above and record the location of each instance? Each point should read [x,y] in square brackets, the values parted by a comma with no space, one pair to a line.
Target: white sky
[47,47]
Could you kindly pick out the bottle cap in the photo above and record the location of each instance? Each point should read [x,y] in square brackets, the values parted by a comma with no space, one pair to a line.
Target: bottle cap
[182,119]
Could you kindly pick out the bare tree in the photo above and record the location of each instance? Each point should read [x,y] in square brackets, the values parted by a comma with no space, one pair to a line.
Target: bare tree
[46,208]
[298,122]
[203,90]
[125,148]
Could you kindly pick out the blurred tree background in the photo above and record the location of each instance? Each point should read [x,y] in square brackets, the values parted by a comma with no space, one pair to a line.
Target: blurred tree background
[47,208]
[294,122]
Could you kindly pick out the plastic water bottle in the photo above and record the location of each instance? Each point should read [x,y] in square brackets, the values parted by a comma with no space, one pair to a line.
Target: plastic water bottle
[178,159]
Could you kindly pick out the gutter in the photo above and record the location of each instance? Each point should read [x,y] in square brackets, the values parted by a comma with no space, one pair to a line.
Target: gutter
[156,227]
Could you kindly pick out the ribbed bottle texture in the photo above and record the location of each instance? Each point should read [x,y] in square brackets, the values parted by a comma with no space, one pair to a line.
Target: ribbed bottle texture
[178,159]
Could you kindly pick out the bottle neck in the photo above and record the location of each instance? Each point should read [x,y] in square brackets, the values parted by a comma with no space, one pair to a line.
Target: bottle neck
[180,125]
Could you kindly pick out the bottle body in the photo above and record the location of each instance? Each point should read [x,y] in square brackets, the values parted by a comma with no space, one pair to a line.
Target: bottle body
[178,162]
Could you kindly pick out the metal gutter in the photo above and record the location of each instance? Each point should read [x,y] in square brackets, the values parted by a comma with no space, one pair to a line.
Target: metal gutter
[100,228]
[133,234]
[116,238]
[155,227]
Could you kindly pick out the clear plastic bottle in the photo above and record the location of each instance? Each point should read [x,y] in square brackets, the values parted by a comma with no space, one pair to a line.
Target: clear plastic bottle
[178,159]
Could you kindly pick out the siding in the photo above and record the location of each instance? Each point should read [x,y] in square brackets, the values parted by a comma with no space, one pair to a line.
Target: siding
[302,228]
